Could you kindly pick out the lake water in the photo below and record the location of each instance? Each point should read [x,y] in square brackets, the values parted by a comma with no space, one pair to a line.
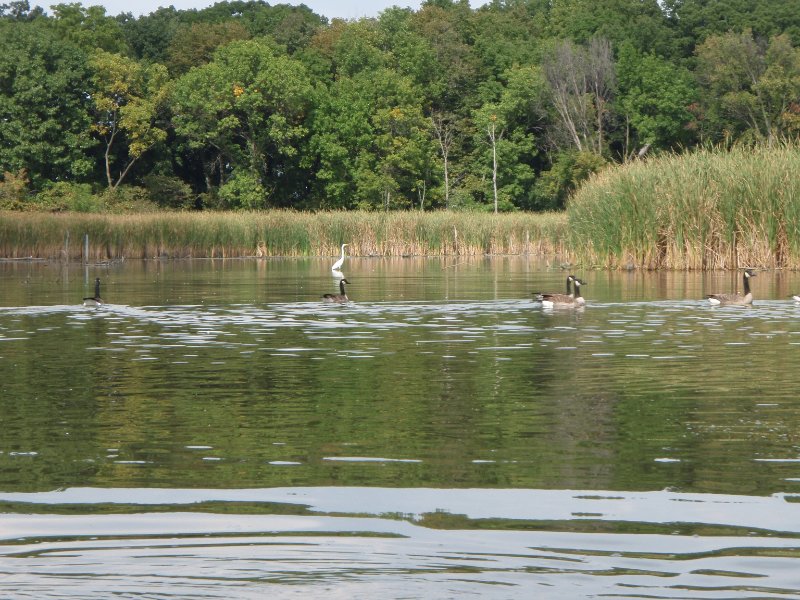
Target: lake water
[215,431]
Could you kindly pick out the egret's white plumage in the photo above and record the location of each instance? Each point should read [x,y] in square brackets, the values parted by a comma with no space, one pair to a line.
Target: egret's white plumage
[338,264]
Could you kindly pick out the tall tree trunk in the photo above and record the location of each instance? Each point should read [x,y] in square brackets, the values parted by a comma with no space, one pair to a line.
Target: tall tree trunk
[493,138]
[444,135]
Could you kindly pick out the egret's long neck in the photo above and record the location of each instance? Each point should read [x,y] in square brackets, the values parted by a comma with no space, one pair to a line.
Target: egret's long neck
[342,252]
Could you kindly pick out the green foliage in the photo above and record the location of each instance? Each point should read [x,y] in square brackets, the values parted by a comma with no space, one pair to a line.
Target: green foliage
[74,197]
[42,104]
[127,199]
[194,45]
[169,192]
[249,106]
[641,23]
[89,28]
[567,173]
[701,19]
[13,190]
[243,191]
[128,98]
[750,88]
[654,97]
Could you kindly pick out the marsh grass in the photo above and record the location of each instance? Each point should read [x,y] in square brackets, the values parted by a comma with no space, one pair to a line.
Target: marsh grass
[278,233]
[704,210]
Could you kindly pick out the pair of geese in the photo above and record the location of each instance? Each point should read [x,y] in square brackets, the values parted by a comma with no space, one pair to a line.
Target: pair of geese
[571,300]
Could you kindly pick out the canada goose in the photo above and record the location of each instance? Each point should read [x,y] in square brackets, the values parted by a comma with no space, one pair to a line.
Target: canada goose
[340,298]
[95,300]
[540,296]
[565,300]
[338,264]
[735,298]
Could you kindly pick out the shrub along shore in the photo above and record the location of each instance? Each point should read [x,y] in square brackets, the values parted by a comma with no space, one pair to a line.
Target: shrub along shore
[277,233]
[702,210]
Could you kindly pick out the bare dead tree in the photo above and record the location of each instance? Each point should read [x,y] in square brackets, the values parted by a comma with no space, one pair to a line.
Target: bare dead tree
[444,130]
[601,78]
[581,82]
[494,136]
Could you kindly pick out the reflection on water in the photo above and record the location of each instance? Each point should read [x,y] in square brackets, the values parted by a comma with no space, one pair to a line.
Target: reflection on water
[442,375]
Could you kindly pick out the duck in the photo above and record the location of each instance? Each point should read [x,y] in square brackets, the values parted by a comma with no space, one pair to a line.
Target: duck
[539,296]
[340,298]
[565,300]
[735,298]
[338,264]
[95,300]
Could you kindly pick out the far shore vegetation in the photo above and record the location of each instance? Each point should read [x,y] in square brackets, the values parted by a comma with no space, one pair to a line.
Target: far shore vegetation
[709,209]
[278,233]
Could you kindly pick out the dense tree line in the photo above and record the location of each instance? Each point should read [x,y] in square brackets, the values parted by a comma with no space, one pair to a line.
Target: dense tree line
[511,105]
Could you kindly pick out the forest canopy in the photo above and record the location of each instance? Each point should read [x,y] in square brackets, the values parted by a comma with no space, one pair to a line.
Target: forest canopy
[247,105]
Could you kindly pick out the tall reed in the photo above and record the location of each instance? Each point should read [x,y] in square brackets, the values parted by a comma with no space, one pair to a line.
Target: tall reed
[278,233]
[703,210]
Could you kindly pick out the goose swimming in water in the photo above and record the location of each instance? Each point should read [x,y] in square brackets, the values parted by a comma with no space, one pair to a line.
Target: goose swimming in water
[95,300]
[338,264]
[565,300]
[340,298]
[540,296]
[735,298]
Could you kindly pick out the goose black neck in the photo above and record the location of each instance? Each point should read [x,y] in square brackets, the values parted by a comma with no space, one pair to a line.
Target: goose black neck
[746,284]
[577,289]
[96,288]
[569,280]
[341,286]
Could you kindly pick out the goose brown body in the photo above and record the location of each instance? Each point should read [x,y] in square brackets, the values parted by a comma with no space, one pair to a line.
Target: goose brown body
[574,300]
[735,298]
[95,300]
[542,296]
[340,298]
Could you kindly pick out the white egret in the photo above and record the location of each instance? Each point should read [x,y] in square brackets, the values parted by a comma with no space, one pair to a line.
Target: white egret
[338,264]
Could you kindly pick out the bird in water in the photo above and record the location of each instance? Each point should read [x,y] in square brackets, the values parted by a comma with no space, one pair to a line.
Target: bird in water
[335,267]
[540,296]
[735,298]
[95,300]
[796,297]
[340,298]
[573,300]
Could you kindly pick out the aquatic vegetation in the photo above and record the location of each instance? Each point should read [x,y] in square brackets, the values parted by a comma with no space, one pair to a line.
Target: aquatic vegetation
[705,210]
[278,233]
